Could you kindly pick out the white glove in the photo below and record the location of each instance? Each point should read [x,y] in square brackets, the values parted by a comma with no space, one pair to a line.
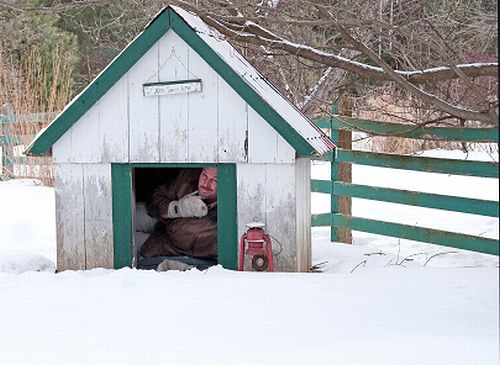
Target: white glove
[189,205]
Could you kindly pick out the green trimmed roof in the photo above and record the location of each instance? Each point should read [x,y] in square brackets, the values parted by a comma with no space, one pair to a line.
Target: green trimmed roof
[273,107]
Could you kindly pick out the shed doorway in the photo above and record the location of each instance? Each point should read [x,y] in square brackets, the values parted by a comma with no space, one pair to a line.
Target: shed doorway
[132,187]
[187,239]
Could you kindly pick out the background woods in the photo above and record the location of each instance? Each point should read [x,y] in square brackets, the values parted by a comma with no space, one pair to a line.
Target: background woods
[403,61]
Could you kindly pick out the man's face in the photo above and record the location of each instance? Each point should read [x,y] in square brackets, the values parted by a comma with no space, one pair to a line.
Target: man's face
[207,184]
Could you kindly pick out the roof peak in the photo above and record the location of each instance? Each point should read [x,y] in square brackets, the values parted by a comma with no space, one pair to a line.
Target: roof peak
[229,64]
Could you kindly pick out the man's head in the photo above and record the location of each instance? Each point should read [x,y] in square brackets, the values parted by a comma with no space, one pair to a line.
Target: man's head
[207,184]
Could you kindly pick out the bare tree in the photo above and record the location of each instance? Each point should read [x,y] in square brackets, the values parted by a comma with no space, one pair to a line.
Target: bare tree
[434,56]
[425,51]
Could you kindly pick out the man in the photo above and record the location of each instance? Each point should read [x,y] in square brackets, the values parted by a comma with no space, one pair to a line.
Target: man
[187,210]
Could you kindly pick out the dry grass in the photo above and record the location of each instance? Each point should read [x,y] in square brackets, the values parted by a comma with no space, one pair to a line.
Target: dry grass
[31,93]
[385,109]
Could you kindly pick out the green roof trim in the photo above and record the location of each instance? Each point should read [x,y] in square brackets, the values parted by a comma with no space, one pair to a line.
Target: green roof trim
[100,85]
[234,80]
[167,19]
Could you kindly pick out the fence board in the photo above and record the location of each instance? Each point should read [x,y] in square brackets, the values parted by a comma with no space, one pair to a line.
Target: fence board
[321,186]
[13,139]
[33,117]
[321,220]
[477,135]
[326,157]
[436,201]
[444,238]
[427,164]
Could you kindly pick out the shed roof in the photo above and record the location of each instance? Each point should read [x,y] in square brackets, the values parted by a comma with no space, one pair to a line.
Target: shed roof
[250,84]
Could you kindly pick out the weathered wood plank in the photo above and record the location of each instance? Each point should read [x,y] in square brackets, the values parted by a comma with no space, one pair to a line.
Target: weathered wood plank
[284,152]
[445,202]
[98,220]
[262,146]
[342,172]
[174,109]
[61,150]
[264,143]
[303,213]
[251,193]
[281,214]
[427,164]
[143,111]
[232,126]
[113,123]
[85,137]
[203,119]
[68,180]
[444,238]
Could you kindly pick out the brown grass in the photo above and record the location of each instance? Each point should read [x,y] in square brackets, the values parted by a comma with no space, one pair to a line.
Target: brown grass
[27,89]
[385,108]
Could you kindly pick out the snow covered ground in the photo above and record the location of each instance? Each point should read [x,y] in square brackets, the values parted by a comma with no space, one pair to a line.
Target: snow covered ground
[379,301]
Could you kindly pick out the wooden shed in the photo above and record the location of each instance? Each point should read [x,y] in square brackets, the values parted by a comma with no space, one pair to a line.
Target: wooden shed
[179,96]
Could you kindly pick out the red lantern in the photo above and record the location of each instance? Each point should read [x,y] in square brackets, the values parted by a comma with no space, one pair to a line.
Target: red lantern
[258,245]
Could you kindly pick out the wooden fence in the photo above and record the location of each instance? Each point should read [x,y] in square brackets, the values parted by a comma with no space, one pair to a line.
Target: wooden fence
[16,132]
[338,189]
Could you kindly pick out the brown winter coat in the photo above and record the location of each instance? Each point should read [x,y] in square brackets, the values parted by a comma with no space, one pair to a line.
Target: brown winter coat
[195,237]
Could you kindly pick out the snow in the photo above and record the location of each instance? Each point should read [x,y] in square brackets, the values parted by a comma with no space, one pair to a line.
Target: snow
[379,301]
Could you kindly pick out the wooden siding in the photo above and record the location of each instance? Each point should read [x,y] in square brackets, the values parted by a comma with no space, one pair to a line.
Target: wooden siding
[98,220]
[174,109]
[233,124]
[84,223]
[101,134]
[143,111]
[303,214]
[211,126]
[266,193]
[68,181]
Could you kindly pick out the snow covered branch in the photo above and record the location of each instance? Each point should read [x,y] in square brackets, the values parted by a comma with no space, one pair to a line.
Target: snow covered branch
[245,30]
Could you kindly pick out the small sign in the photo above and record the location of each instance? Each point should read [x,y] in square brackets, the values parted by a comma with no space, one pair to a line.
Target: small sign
[171,87]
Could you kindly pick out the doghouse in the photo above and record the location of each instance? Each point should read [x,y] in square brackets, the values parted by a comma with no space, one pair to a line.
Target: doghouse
[179,96]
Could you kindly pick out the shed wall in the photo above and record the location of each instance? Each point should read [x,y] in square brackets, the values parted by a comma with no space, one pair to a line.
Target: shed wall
[213,126]
[275,194]
[83,216]
[303,213]
[266,193]
[210,126]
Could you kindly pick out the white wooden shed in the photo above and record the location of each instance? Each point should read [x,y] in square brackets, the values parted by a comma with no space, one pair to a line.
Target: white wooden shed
[179,95]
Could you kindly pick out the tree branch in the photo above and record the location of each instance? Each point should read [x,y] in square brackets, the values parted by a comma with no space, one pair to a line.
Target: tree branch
[250,32]
[56,8]
[253,33]
[412,89]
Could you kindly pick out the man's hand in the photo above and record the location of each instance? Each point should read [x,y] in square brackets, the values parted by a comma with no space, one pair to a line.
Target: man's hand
[189,205]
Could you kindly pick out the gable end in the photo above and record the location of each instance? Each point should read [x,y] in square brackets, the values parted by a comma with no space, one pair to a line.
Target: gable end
[165,20]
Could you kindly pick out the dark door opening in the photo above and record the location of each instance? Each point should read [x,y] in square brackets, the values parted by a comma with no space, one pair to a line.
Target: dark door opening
[164,202]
